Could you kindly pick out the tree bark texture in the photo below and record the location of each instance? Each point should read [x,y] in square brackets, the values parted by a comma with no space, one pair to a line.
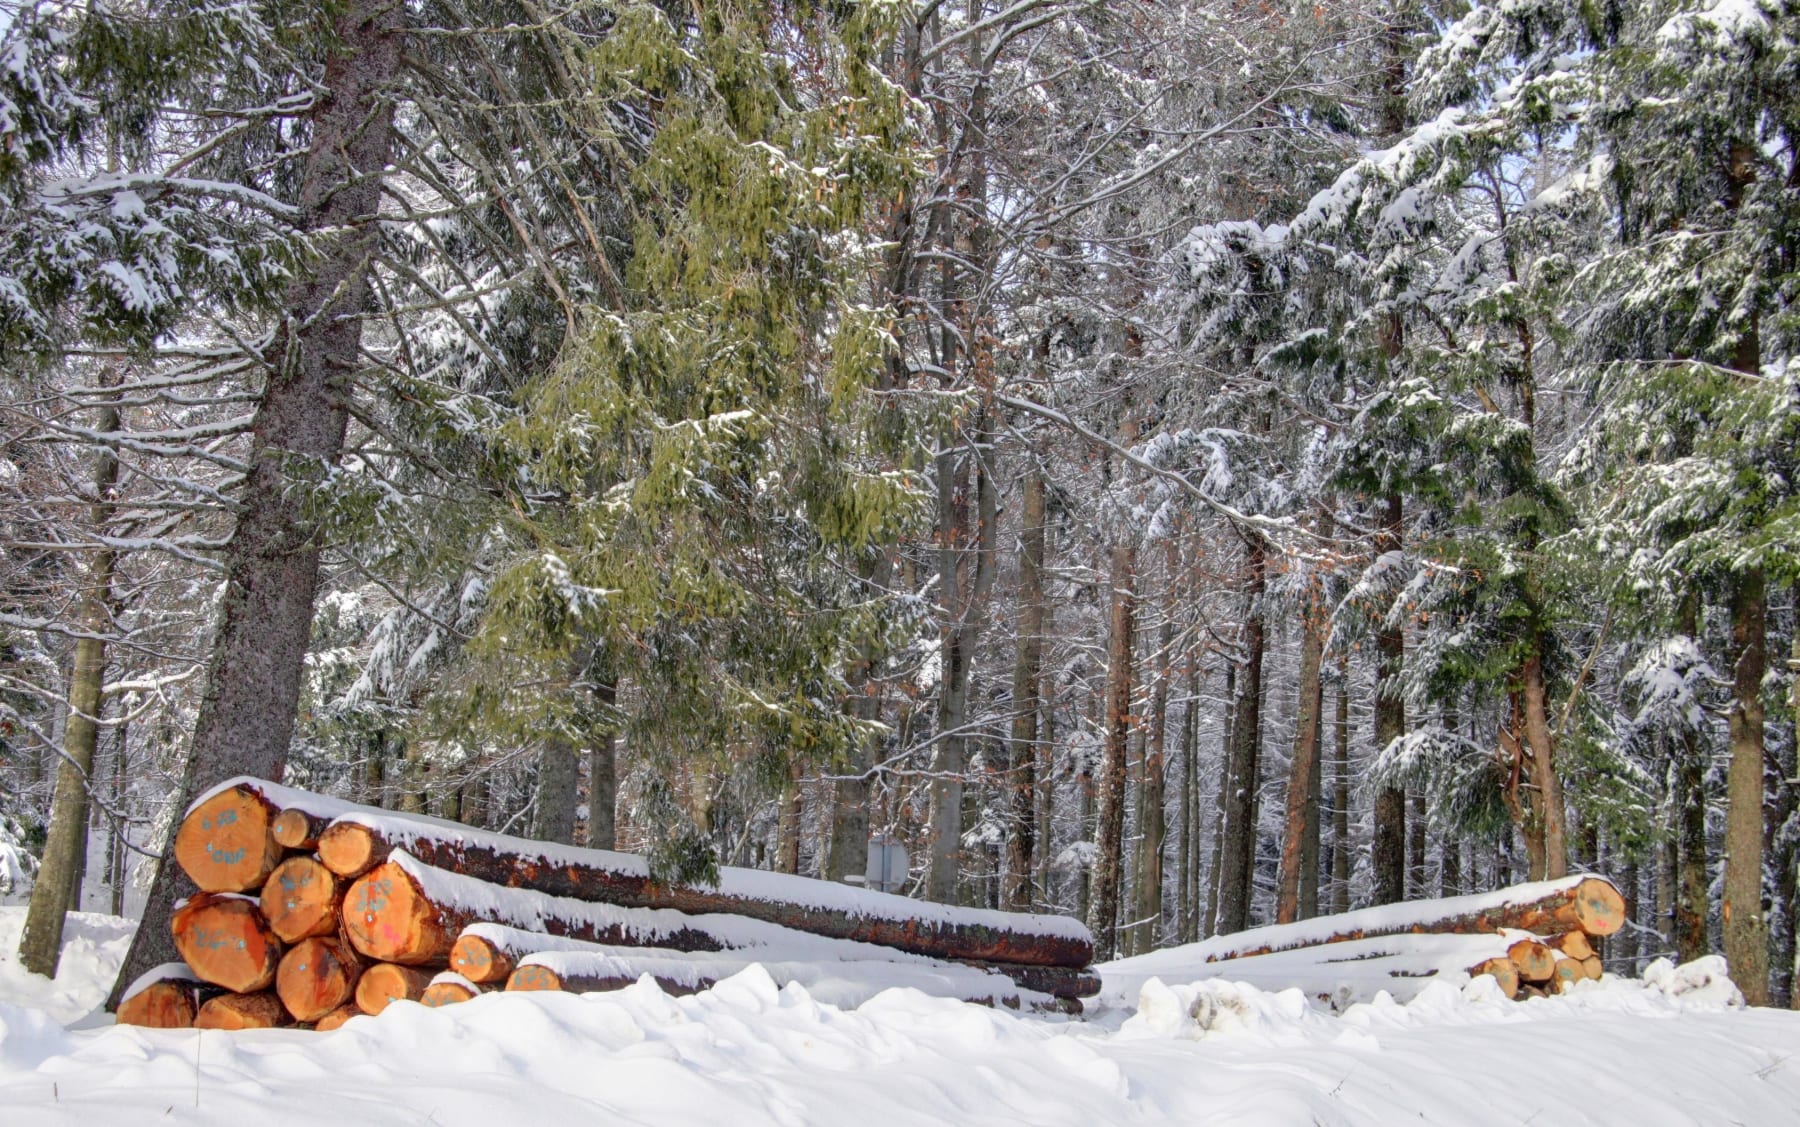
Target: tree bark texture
[246,715]
[1745,926]
[1302,823]
[1109,831]
[1238,862]
[1028,663]
[1389,845]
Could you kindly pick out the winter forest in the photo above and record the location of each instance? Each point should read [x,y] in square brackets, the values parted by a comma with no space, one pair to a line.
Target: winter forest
[1185,465]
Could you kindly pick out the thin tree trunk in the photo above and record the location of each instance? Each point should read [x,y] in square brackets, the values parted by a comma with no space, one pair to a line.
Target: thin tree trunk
[1549,815]
[1692,896]
[1109,831]
[1746,930]
[1238,864]
[1190,806]
[1340,793]
[1302,825]
[1028,664]
[246,715]
[1389,845]
[58,887]
[1152,819]
[1215,871]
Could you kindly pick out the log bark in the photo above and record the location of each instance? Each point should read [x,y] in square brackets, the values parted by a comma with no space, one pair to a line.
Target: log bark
[224,844]
[242,1011]
[336,1018]
[1586,903]
[385,983]
[224,939]
[595,876]
[246,716]
[1744,926]
[300,900]
[532,977]
[317,976]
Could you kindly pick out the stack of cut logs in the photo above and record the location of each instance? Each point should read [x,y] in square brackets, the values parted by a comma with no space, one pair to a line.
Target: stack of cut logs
[1543,938]
[312,911]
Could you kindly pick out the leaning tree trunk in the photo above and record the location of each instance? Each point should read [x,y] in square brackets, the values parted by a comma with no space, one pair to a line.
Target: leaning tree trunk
[272,562]
[1109,831]
[58,887]
[1746,929]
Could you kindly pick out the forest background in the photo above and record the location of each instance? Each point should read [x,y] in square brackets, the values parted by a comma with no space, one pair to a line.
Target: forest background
[1183,464]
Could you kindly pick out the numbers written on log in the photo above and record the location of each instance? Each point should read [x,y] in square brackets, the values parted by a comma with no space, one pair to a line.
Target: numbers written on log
[224,844]
[300,899]
[224,939]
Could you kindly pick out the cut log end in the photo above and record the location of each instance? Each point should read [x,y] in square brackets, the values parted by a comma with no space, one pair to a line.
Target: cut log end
[1568,973]
[224,844]
[296,829]
[300,899]
[1592,967]
[389,919]
[1597,907]
[447,994]
[337,1018]
[479,960]
[1574,944]
[386,983]
[533,977]
[242,1011]
[316,977]
[350,849]
[161,1005]
[1536,962]
[226,942]
[1503,971]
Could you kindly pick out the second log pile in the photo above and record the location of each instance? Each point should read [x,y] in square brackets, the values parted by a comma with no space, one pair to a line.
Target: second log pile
[313,910]
[1534,939]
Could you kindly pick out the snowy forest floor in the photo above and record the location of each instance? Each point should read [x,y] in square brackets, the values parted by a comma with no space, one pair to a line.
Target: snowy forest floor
[1670,1050]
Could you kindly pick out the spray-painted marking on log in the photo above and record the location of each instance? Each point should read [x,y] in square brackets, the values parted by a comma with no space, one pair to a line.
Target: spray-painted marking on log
[216,940]
[533,977]
[373,897]
[224,856]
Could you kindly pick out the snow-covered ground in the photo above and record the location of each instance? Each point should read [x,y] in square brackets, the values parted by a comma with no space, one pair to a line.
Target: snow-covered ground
[1673,1049]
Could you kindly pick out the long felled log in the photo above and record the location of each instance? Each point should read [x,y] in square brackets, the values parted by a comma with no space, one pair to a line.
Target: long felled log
[359,842]
[845,984]
[1588,904]
[386,983]
[317,976]
[300,899]
[242,1011]
[226,942]
[224,845]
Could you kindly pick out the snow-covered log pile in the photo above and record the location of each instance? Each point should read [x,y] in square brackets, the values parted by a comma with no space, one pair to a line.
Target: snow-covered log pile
[1534,939]
[312,910]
